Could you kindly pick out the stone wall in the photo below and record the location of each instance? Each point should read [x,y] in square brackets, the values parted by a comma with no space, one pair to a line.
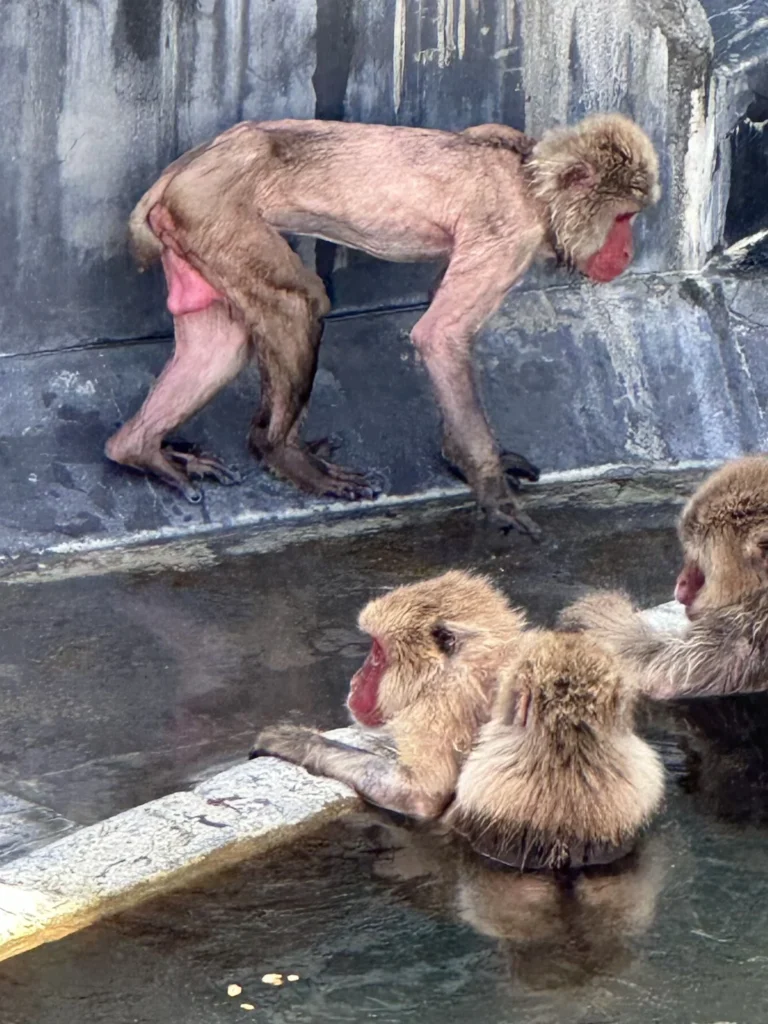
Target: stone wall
[96,96]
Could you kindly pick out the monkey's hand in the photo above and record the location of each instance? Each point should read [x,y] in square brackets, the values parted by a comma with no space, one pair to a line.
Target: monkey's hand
[604,613]
[288,742]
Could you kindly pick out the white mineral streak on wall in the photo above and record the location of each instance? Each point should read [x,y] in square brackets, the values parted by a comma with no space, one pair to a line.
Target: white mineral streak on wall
[92,133]
[446,32]
[461,37]
[621,340]
[698,168]
[398,54]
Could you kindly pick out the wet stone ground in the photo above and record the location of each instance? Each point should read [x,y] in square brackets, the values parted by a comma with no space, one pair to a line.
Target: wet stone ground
[121,688]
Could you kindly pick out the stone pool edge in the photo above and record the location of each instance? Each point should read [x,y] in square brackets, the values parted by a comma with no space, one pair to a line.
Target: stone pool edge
[103,868]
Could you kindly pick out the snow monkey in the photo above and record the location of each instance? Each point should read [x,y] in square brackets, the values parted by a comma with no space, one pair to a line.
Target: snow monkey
[429,681]
[558,778]
[531,730]
[486,201]
[723,585]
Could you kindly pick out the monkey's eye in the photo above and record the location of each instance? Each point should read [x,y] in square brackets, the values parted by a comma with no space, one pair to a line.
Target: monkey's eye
[444,638]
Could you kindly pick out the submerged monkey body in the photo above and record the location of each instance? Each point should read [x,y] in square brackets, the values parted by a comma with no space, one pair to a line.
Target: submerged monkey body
[485,202]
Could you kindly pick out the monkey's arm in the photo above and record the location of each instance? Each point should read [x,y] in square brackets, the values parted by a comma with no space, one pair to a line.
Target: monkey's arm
[376,778]
[715,655]
[478,277]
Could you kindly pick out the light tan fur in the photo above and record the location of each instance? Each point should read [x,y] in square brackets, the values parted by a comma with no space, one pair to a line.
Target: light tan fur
[432,703]
[486,201]
[558,777]
[724,534]
[584,175]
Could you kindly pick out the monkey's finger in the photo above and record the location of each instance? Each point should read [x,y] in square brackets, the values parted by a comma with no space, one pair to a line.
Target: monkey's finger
[516,465]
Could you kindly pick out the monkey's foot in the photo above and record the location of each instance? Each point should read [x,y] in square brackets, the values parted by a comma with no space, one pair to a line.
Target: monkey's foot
[314,474]
[288,742]
[509,516]
[180,464]
[516,467]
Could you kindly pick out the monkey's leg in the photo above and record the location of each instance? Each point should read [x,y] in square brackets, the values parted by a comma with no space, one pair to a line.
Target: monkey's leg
[467,296]
[377,779]
[210,350]
[287,342]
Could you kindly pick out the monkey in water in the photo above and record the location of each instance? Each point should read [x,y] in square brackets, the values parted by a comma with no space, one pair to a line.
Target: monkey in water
[723,585]
[486,201]
[558,778]
[428,682]
[531,730]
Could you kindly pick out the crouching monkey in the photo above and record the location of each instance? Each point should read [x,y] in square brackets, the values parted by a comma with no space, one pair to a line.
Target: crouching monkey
[723,585]
[486,201]
[556,778]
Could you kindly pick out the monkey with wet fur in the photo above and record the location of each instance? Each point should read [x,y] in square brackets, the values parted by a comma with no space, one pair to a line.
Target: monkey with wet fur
[428,683]
[723,586]
[558,778]
[487,201]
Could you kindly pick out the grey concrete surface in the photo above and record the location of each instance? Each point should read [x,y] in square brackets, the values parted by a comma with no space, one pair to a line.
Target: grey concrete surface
[78,879]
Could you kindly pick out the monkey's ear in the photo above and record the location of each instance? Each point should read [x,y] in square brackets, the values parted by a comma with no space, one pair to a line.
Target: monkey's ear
[444,637]
[577,175]
[757,548]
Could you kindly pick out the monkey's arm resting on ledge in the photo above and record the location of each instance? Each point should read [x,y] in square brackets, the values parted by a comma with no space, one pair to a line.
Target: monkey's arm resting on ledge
[719,653]
[374,774]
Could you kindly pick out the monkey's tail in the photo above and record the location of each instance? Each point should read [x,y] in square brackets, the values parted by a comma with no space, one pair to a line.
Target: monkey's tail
[144,243]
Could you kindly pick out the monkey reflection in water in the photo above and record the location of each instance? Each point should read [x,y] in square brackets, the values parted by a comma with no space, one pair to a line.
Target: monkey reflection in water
[555,930]
[724,741]
[520,739]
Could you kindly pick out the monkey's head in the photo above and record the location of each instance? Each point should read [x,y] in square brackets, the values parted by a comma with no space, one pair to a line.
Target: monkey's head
[593,179]
[566,688]
[433,637]
[724,533]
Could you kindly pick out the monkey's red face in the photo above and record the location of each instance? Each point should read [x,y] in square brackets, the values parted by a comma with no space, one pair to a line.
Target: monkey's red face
[364,688]
[689,583]
[616,253]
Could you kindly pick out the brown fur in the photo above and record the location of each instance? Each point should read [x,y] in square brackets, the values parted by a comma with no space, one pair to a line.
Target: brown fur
[609,162]
[488,201]
[724,533]
[558,777]
[432,702]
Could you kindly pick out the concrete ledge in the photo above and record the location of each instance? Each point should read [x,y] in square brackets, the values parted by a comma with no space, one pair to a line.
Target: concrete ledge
[106,867]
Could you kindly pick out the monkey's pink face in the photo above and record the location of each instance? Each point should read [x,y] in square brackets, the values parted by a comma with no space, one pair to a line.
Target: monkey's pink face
[690,581]
[616,253]
[364,688]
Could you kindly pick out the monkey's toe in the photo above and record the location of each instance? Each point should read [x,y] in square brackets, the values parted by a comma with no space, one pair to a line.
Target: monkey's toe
[316,475]
[198,465]
[518,467]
